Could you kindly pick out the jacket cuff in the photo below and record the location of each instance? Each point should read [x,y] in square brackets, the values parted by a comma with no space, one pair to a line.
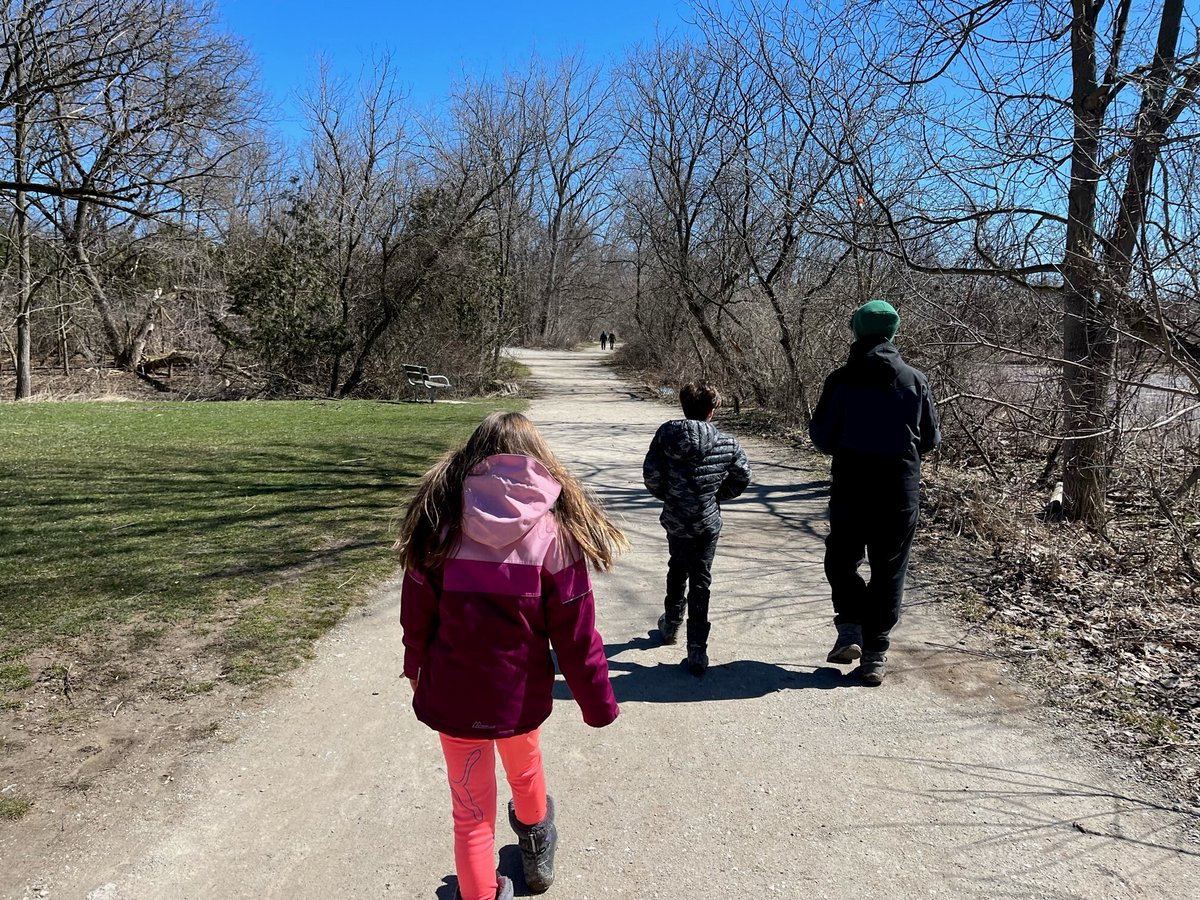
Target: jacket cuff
[412,665]
[602,715]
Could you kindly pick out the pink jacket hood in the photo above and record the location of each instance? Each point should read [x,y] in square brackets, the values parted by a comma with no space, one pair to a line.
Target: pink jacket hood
[480,628]
[504,497]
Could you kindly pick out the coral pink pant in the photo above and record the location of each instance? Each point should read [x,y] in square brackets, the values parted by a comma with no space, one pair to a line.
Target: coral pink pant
[471,769]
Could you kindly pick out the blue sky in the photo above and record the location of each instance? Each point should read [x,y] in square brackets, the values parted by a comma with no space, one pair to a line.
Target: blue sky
[434,42]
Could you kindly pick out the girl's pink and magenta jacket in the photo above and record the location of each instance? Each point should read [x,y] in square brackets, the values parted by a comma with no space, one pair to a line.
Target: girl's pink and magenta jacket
[478,631]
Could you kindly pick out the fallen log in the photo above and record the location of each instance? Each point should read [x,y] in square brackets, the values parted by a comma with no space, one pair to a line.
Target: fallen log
[166,361]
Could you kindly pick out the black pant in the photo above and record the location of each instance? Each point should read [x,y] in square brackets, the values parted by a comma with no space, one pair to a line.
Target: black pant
[885,539]
[690,569]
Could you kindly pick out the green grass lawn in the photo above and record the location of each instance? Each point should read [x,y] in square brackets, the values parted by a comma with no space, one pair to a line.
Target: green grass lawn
[254,525]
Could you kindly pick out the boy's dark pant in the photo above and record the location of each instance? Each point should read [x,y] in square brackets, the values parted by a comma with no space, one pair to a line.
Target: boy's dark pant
[855,530]
[690,569]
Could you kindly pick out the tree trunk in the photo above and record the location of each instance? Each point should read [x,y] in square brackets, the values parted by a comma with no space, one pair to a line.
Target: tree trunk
[1089,352]
[24,386]
[335,372]
[546,322]
[137,346]
[789,354]
[1149,130]
[1094,289]
[713,340]
[116,346]
[1088,339]
[64,357]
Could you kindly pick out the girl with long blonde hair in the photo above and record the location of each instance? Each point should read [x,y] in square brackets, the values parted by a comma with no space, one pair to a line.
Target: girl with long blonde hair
[496,546]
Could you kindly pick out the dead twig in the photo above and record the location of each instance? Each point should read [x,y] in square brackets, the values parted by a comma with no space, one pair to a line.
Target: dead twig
[970,433]
[983,653]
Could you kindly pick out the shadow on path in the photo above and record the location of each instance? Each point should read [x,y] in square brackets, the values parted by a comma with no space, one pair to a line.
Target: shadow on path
[739,679]
[510,865]
[1016,792]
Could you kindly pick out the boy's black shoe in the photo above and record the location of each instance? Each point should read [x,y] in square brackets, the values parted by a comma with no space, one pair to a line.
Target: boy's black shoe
[668,630]
[697,660]
[873,668]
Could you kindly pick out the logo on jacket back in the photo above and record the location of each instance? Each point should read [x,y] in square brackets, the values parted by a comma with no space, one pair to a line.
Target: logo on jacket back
[483,727]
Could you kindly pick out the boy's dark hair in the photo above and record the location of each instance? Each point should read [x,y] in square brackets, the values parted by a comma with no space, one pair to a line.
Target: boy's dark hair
[698,399]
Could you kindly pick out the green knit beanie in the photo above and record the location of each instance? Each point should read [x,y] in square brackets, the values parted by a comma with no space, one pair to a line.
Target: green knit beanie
[878,318]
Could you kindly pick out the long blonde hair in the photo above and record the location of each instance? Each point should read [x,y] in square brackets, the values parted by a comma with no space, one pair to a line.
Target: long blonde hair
[433,523]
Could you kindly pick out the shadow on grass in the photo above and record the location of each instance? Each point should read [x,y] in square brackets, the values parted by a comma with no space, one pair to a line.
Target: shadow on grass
[165,511]
[257,516]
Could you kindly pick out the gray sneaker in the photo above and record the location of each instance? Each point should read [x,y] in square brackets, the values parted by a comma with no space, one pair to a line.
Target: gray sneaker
[873,668]
[848,646]
[669,630]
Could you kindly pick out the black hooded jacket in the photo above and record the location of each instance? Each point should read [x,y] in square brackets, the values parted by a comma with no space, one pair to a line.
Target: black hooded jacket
[691,466]
[877,419]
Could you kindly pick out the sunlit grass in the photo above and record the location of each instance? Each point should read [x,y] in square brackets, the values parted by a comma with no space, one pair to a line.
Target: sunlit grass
[262,522]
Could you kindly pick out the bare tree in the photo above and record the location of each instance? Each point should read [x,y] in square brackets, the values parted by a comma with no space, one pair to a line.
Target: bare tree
[677,104]
[579,146]
[1027,137]
[461,169]
[508,121]
[357,157]
[40,43]
[121,111]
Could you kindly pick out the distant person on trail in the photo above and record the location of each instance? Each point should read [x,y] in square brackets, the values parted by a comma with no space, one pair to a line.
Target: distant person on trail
[877,419]
[692,466]
[604,340]
[495,547]
[612,340]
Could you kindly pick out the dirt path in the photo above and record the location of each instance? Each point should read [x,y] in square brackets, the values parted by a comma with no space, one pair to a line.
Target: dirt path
[772,776]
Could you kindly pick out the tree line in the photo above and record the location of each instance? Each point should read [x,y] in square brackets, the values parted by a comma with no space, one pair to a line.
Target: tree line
[1016,177]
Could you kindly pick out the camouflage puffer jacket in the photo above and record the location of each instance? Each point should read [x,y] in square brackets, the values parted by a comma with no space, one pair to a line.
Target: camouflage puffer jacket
[692,466]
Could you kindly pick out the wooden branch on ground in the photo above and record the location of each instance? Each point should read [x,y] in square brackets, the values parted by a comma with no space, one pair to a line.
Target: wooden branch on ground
[1188,483]
[152,381]
[167,361]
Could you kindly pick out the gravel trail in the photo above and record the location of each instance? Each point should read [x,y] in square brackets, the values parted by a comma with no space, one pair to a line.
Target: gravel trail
[772,776]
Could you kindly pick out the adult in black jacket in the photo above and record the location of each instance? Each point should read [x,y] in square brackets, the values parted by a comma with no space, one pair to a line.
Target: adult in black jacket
[692,466]
[877,419]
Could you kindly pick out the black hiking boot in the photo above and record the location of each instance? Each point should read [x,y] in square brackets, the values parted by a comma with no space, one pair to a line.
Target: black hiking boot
[873,668]
[668,630]
[848,646]
[697,660]
[504,890]
[538,843]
